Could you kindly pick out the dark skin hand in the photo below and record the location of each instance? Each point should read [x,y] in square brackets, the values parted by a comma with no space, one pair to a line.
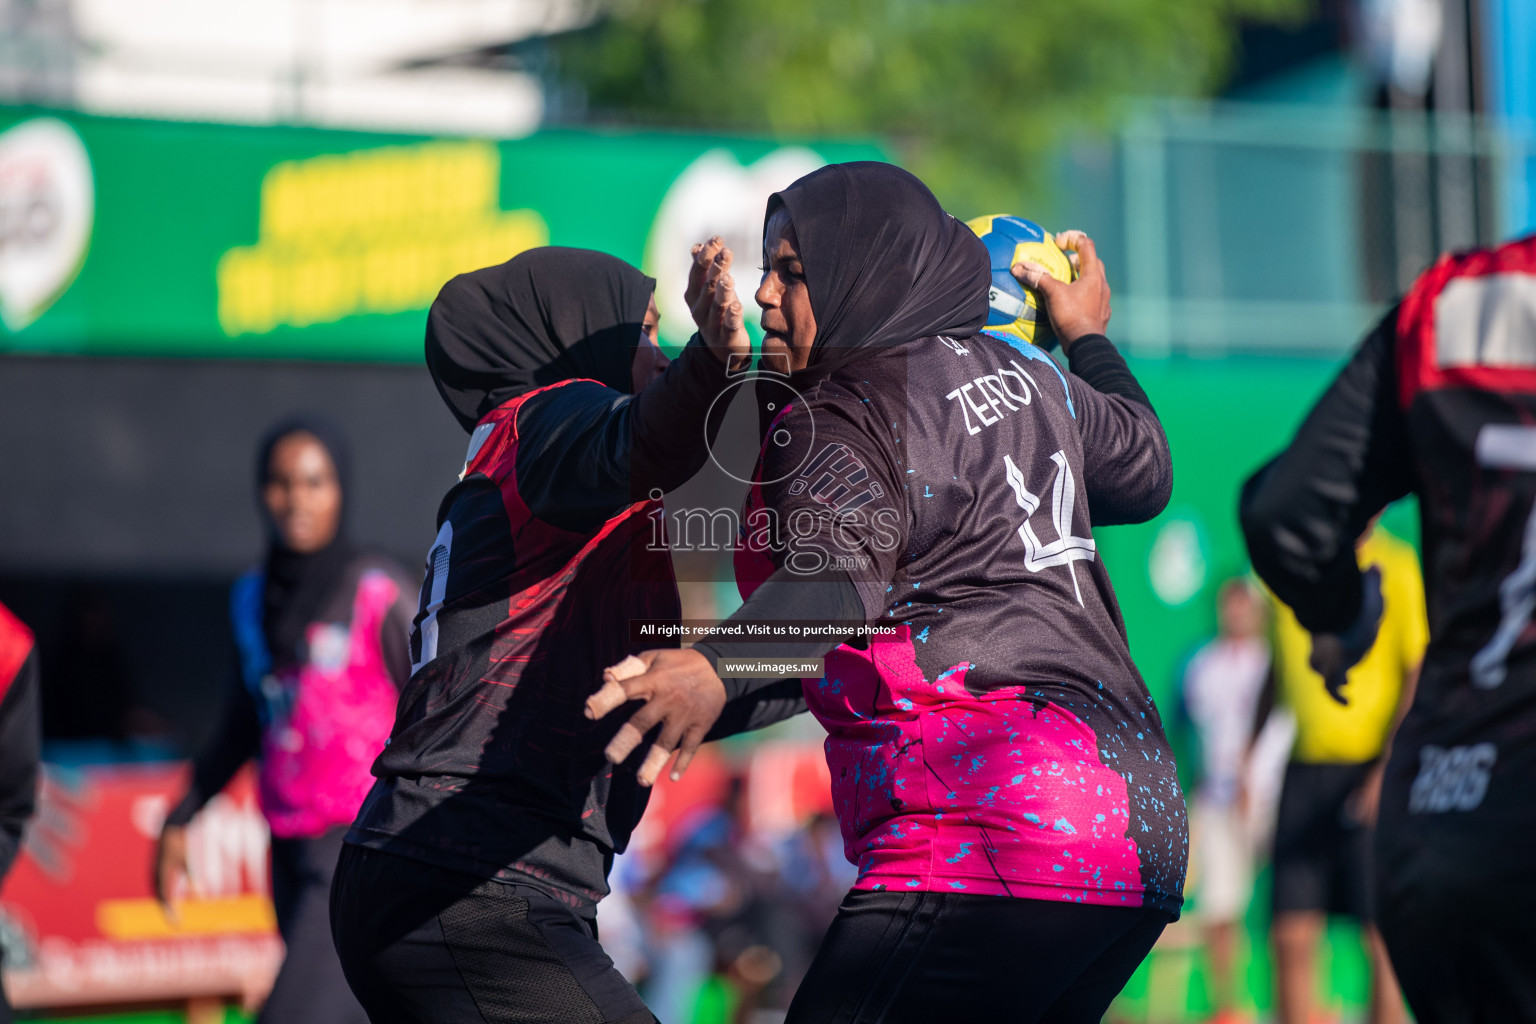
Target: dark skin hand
[1077,309]
[682,694]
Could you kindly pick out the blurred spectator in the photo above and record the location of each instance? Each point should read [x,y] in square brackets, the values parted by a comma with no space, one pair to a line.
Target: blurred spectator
[1221,691]
[20,740]
[1333,781]
[321,630]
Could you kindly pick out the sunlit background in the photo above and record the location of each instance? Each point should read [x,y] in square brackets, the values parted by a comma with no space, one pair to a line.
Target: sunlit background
[214,214]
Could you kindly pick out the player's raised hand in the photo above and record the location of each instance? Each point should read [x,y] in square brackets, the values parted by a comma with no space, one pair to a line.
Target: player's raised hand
[712,299]
[1077,309]
[682,695]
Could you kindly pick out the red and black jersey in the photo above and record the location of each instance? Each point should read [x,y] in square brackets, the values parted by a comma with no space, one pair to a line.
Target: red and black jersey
[20,733]
[1439,400]
[542,557]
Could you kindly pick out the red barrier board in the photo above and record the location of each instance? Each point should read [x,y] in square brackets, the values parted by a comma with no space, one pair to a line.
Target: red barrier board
[78,919]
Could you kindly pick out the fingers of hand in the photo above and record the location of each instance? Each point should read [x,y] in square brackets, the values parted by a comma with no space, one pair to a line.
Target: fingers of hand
[727,303]
[1072,240]
[630,667]
[624,741]
[704,254]
[1036,276]
[685,752]
[612,694]
[655,761]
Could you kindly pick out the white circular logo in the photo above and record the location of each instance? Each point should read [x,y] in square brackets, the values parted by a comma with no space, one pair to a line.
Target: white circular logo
[47,205]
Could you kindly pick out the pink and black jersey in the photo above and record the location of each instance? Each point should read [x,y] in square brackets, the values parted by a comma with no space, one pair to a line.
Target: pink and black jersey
[1002,741]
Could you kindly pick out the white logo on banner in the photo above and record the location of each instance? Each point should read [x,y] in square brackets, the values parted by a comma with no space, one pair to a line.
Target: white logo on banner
[47,205]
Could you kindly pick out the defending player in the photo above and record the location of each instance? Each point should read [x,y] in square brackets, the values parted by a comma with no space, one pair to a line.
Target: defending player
[468,888]
[999,771]
[1440,400]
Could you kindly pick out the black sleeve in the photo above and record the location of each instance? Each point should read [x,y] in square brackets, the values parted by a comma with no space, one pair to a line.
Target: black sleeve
[395,637]
[585,451]
[837,498]
[766,702]
[1302,513]
[237,740]
[21,736]
[827,597]
[1127,464]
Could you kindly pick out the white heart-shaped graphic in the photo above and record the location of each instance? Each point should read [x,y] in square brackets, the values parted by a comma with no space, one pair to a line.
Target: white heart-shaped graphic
[47,205]
[716,195]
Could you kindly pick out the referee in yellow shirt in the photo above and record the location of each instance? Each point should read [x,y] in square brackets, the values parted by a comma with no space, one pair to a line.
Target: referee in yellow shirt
[1332,783]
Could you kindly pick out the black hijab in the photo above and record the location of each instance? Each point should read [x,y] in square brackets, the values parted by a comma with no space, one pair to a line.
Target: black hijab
[546,315]
[298,585]
[884,263]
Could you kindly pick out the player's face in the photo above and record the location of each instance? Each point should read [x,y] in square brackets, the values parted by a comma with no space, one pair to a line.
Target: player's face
[650,361]
[789,326]
[302,494]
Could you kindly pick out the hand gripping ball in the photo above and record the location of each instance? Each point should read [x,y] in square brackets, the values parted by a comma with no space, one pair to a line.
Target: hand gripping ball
[1014,313]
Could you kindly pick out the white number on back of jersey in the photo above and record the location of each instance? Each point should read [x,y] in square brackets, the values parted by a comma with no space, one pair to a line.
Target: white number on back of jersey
[438,560]
[1066,548]
[1505,446]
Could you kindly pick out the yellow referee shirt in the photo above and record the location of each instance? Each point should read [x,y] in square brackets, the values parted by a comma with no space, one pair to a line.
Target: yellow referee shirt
[1326,731]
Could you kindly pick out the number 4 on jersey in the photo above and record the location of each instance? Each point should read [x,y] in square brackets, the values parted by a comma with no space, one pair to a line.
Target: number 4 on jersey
[1066,548]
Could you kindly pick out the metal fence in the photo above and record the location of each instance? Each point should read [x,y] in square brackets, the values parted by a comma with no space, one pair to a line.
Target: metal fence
[1264,228]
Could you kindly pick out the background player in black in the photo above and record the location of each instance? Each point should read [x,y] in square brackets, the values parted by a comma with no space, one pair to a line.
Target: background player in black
[469,886]
[1439,400]
[20,744]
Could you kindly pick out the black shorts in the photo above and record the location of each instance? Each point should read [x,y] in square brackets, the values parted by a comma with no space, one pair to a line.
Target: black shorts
[929,958]
[1322,856]
[1458,910]
[424,944]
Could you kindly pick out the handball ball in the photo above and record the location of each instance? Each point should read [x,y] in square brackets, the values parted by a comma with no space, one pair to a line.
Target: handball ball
[1014,312]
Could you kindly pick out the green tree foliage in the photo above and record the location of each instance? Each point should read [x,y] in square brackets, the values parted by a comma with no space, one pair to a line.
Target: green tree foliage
[971,92]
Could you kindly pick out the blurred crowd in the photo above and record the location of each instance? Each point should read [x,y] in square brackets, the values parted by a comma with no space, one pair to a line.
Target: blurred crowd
[718,923]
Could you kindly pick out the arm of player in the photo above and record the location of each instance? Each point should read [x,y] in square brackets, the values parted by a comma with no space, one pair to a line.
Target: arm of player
[585,451]
[837,567]
[237,740]
[1302,513]
[1127,465]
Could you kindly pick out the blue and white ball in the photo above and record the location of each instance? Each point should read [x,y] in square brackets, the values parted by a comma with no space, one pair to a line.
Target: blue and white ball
[1014,314]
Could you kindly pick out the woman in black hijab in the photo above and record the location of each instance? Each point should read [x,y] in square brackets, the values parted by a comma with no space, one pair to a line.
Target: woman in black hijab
[998,769]
[321,632]
[469,885]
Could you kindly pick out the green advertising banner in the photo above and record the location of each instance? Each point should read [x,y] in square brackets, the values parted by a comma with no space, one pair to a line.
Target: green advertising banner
[127,237]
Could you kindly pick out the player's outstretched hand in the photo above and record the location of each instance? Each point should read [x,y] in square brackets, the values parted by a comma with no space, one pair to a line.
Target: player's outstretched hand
[682,694]
[1077,309]
[1334,654]
[170,867]
[712,299]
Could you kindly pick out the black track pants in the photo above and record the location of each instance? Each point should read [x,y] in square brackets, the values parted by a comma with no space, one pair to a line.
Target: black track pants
[928,957]
[422,944]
